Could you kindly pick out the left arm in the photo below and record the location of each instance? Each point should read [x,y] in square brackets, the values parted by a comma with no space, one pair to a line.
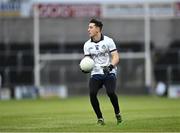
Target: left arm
[115,58]
[114,62]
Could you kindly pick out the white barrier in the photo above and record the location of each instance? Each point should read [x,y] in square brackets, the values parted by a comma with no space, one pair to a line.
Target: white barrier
[53,91]
[174,91]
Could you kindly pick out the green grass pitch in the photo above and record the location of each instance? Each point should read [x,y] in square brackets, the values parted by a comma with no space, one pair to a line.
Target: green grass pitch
[74,114]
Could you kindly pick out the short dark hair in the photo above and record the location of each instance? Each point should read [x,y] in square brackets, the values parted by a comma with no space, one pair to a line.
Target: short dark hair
[97,23]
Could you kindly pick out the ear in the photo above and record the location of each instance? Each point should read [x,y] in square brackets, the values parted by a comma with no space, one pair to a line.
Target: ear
[98,29]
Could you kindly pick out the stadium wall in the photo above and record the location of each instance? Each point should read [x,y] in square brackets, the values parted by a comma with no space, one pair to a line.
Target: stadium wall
[73,30]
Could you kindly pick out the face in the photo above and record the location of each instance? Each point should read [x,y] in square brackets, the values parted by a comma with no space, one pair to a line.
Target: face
[93,30]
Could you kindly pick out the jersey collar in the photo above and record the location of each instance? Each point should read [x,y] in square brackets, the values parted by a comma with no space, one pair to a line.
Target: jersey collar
[102,38]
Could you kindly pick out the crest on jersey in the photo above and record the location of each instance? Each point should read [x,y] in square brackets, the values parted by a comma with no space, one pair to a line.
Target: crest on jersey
[103,47]
[97,47]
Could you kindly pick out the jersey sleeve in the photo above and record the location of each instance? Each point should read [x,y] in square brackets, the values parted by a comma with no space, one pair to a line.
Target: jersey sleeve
[86,50]
[112,46]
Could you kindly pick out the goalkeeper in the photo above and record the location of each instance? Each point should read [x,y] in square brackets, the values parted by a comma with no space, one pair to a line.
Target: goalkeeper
[102,50]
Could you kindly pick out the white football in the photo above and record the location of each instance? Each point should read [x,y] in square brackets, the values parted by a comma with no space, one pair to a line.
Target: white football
[86,64]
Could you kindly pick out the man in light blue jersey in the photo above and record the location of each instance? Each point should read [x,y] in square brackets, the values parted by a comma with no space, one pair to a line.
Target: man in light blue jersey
[102,50]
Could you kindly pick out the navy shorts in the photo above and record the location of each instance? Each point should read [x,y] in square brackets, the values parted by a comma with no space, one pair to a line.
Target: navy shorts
[97,81]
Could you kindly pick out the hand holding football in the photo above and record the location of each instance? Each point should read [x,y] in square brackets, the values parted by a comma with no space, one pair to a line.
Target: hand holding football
[86,64]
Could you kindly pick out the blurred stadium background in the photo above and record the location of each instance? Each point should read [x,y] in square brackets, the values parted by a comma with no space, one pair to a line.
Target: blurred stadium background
[41,44]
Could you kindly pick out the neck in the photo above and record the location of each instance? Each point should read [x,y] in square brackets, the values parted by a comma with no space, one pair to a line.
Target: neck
[97,37]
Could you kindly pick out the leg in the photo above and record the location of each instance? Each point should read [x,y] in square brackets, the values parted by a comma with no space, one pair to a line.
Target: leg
[110,84]
[114,101]
[94,86]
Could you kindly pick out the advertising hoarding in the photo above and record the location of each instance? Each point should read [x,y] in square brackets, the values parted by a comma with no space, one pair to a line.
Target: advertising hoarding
[69,10]
[137,10]
[177,9]
[10,9]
